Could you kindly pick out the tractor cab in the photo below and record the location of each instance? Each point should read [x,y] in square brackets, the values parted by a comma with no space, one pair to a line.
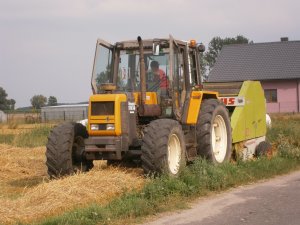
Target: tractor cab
[156,72]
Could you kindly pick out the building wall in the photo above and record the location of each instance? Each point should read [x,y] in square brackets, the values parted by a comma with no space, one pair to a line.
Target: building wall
[64,113]
[287,95]
[298,96]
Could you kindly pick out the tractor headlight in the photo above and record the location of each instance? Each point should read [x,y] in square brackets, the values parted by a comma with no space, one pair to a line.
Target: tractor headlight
[94,127]
[110,127]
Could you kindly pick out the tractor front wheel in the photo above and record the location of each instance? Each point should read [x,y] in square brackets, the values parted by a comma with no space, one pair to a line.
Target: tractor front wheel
[65,150]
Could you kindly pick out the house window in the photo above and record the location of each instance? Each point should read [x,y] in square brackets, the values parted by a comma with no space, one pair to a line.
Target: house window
[271,95]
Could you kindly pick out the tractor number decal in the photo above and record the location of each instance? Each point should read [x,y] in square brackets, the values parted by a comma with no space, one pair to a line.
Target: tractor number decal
[233,101]
[131,107]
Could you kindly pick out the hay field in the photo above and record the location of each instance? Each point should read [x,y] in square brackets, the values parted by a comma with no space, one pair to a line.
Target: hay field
[26,194]
[17,128]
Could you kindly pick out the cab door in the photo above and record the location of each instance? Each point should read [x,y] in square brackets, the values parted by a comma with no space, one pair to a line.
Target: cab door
[177,75]
[103,69]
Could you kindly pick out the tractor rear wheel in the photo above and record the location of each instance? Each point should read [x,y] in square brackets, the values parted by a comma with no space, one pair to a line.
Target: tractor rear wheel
[214,131]
[163,148]
[65,150]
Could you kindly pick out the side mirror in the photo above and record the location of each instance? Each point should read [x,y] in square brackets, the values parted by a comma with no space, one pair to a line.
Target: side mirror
[201,47]
[155,49]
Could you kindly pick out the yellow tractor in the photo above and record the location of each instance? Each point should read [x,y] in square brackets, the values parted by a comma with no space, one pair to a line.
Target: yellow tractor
[149,105]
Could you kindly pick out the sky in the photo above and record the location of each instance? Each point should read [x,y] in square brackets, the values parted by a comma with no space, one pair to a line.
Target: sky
[47,46]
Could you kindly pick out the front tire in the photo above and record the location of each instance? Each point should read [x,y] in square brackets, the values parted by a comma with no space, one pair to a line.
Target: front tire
[214,132]
[65,150]
[163,148]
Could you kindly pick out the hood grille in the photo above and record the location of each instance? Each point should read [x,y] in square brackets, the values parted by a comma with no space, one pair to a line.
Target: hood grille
[102,108]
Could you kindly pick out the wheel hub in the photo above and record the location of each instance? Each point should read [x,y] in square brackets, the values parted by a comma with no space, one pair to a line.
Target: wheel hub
[174,154]
[219,139]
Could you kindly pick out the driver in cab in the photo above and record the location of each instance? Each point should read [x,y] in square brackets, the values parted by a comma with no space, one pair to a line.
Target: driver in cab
[159,77]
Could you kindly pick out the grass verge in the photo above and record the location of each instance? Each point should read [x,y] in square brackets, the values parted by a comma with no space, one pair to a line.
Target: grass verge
[7,138]
[200,179]
[34,137]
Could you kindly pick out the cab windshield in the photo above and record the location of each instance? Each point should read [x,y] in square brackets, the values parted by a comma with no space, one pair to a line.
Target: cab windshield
[127,68]
[156,67]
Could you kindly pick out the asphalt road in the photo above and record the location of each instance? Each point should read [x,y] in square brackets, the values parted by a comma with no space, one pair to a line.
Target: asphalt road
[274,202]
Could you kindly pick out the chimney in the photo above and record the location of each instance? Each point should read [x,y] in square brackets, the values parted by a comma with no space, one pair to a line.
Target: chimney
[284,39]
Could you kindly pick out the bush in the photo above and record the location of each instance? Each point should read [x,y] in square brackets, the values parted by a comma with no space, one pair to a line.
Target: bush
[285,137]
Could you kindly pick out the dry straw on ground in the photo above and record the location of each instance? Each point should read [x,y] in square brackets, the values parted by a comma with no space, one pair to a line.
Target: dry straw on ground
[27,195]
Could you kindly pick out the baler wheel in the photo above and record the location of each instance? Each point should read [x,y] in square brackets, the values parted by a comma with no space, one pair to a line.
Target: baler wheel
[264,148]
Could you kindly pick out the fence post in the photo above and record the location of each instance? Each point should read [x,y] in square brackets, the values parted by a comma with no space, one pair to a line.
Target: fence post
[64,115]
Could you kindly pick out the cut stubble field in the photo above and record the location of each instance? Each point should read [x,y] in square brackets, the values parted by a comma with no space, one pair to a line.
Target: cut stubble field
[27,195]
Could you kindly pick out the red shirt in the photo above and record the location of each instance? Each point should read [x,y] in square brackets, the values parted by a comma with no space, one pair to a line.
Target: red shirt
[163,79]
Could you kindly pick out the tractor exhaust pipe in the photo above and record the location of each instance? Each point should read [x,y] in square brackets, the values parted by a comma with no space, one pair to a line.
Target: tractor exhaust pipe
[142,71]
[145,110]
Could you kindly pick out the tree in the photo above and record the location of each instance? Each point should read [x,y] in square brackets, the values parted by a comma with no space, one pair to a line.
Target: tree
[52,101]
[203,66]
[104,76]
[38,101]
[6,104]
[215,46]
[11,104]
[3,100]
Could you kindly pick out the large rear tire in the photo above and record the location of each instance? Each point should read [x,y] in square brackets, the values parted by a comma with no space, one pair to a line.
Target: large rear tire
[163,148]
[65,150]
[214,132]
